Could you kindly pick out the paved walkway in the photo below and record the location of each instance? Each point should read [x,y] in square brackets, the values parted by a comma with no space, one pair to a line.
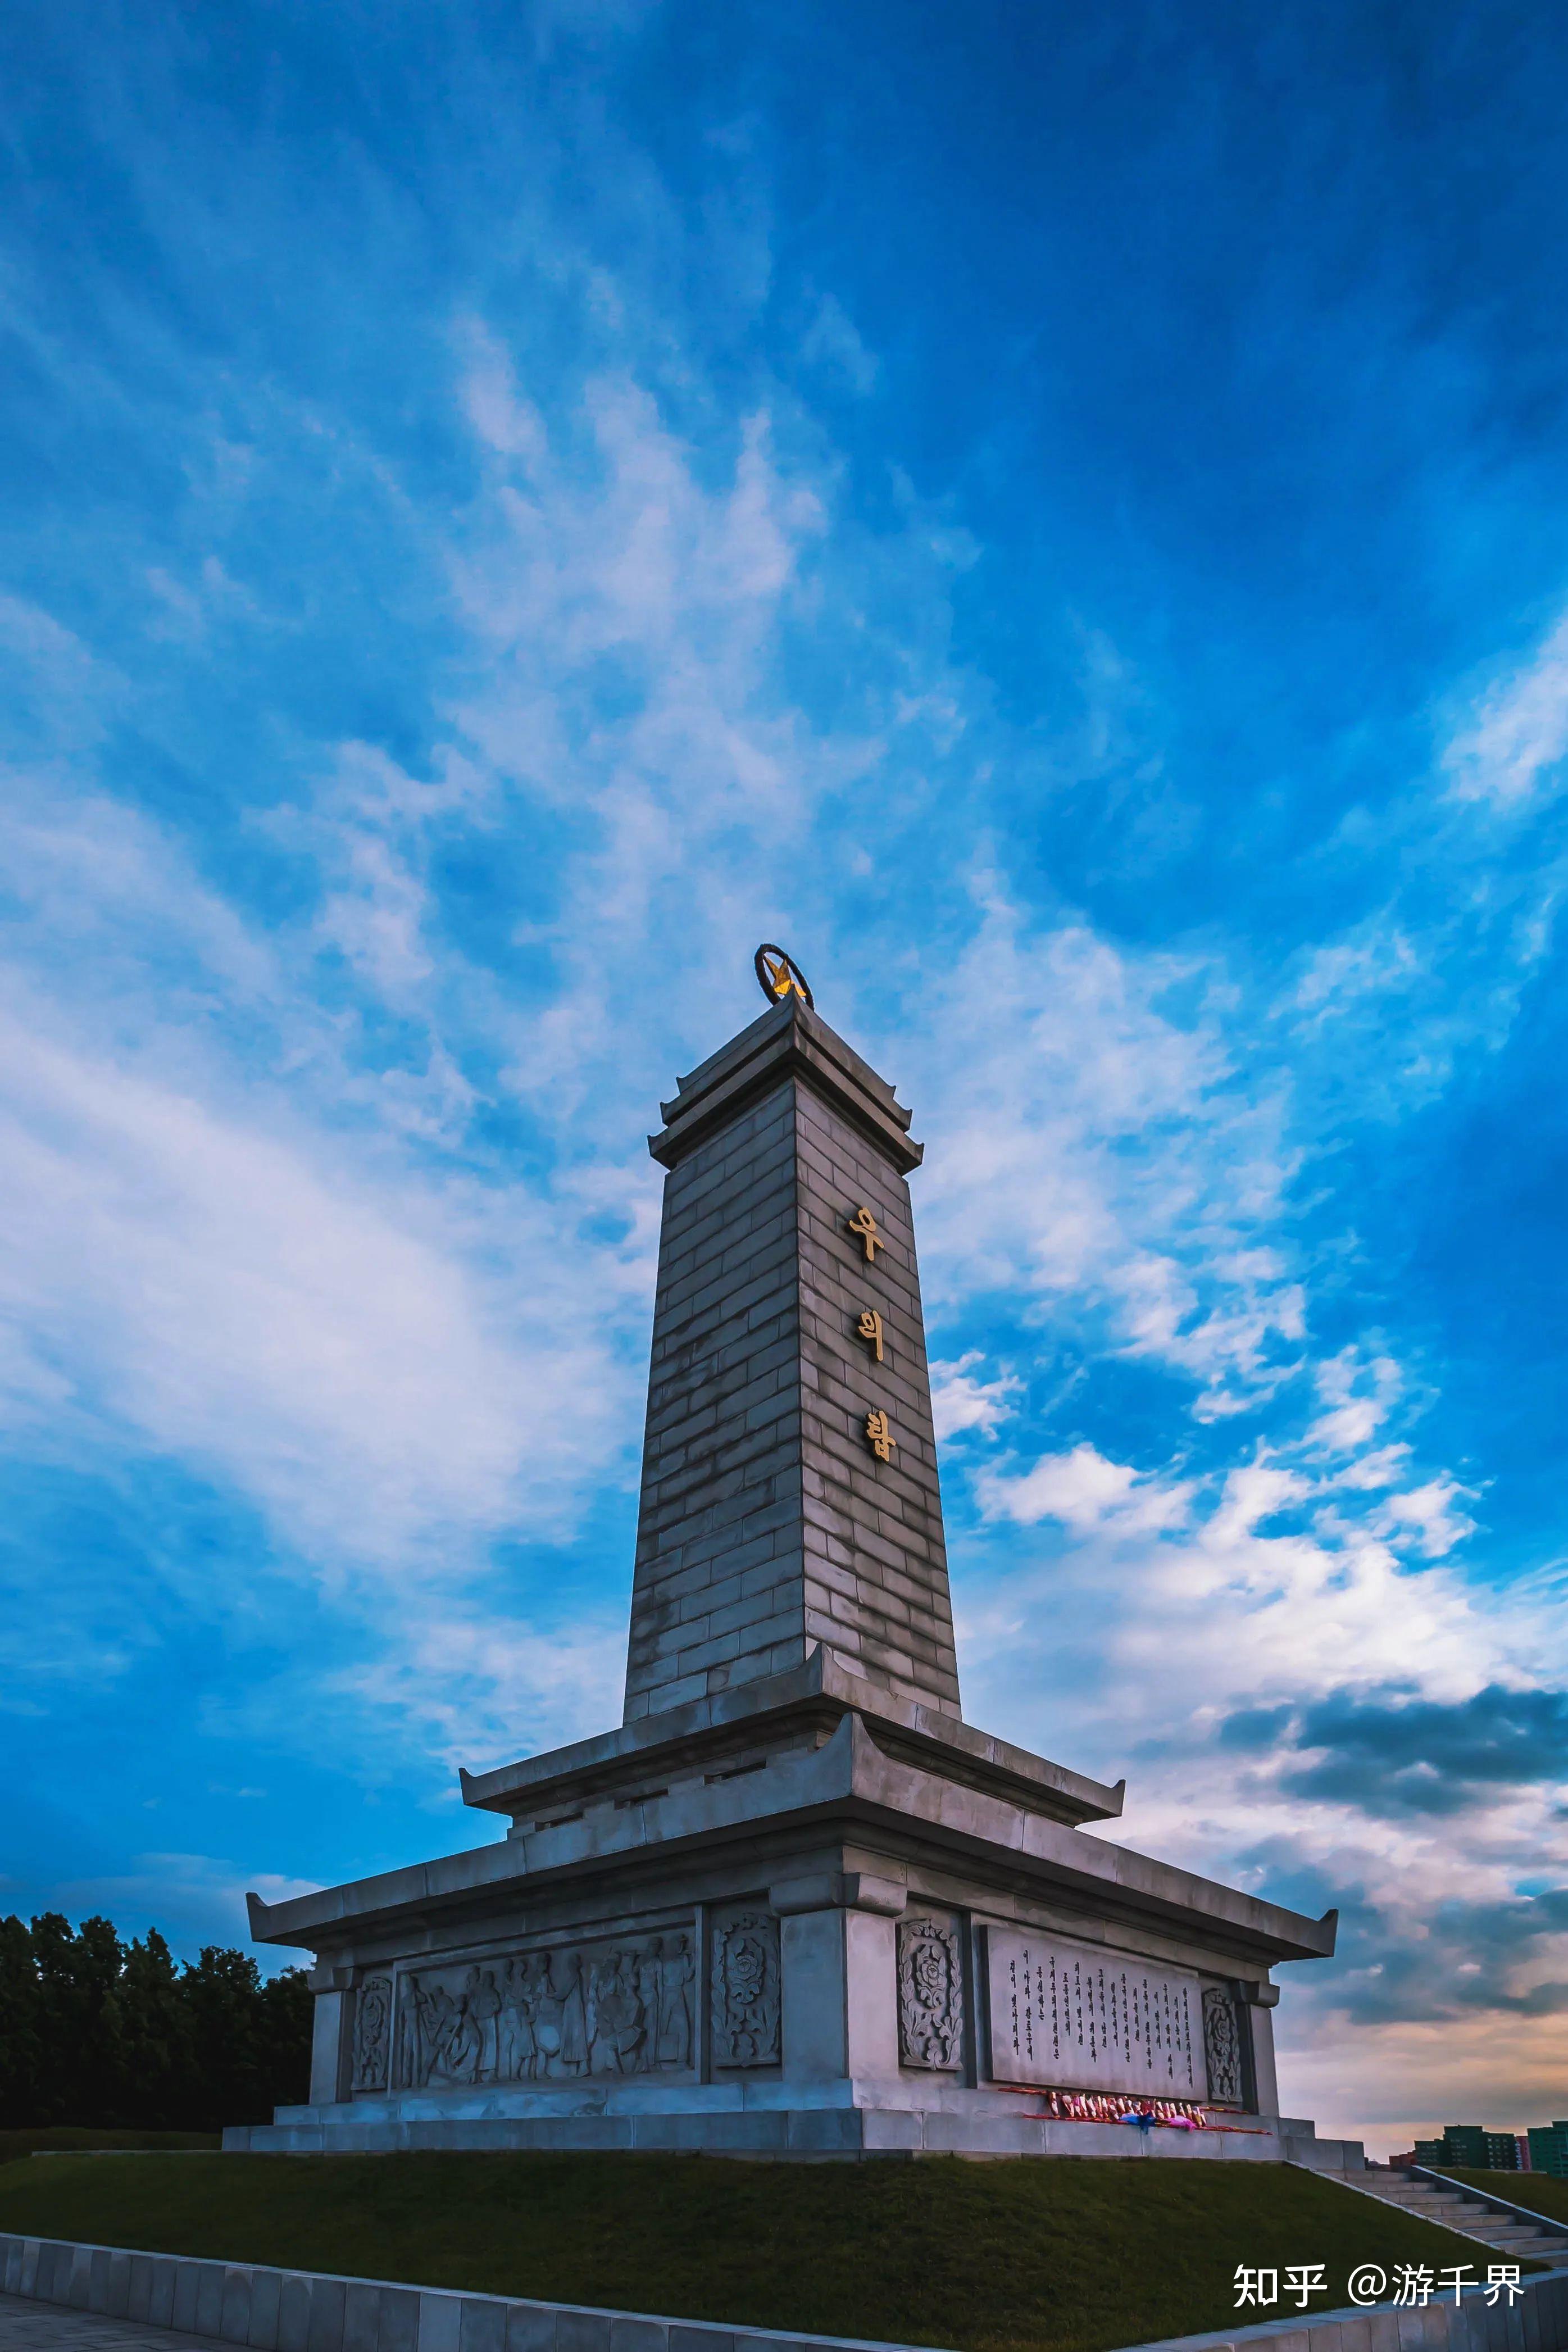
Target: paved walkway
[27,2326]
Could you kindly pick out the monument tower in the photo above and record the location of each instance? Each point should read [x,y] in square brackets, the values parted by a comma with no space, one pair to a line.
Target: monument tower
[795,1905]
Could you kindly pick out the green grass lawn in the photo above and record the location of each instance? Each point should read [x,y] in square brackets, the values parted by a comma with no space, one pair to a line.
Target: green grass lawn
[55,2137]
[1060,2252]
[1538,2191]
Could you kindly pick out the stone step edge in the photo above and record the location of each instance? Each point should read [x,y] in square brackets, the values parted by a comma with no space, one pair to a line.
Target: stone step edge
[1439,2220]
[213,2296]
[1537,2323]
[244,2303]
[1553,2225]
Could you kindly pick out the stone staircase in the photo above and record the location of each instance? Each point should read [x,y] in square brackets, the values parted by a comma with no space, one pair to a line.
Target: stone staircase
[1507,2231]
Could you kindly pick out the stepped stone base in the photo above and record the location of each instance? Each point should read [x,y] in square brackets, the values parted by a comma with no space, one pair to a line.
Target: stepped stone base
[848,2120]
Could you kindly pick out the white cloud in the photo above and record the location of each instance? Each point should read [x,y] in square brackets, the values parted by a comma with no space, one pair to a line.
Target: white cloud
[1428,1512]
[253,1303]
[1358,1393]
[477,1690]
[1082,1490]
[502,418]
[1105,1158]
[195,1898]
[959,1401]
[833,341]
[1516,735]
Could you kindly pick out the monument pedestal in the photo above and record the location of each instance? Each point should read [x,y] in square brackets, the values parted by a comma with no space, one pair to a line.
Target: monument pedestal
[803,1919]
[795,1905]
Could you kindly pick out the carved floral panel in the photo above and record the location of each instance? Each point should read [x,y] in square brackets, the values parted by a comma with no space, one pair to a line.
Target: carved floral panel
[622,2008]
[745,1990]
[930,1994]
[373,2033]
[1222,2047]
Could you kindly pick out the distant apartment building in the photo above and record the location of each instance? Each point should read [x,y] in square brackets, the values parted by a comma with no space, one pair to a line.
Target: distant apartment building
[1478,2150]
[1549,2149]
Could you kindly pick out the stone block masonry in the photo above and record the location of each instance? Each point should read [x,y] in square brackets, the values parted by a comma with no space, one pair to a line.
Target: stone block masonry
[768,1524]
[309,2311]
[877,1561]
[305,2311]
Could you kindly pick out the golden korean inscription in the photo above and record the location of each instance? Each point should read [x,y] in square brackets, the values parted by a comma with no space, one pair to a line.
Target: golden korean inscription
[863,1226]
[869,1329]
[879,1436]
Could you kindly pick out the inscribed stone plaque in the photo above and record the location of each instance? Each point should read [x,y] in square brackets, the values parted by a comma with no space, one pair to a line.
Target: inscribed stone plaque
[1073,2017]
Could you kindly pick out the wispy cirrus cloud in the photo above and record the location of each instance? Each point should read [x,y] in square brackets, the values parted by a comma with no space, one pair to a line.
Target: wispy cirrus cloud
[1507,750]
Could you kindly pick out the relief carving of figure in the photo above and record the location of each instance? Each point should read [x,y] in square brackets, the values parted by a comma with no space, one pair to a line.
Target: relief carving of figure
[483,2013]
[517,2051]
[673,2041]
[1222,2047]
[745,1991]
[373,2031]
[536,2016]
[618,2015]
[440,2019]
[462,2045]
[563,2027]
[930,1994]
[409,2057]
[650,1973]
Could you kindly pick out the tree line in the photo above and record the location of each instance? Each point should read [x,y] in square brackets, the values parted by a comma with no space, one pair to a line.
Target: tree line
[119,2035]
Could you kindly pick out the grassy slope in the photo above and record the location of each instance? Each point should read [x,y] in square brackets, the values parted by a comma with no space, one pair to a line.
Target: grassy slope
[55,2136]
[1059,2253]
[1538,2191]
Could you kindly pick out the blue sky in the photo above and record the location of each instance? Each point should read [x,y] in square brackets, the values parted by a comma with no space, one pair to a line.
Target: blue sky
[1055,515]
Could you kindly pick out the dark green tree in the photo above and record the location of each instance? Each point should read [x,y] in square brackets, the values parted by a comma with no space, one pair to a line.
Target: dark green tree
[22,2033]
[155,2047]
[100,2032]
[79,1977]
[223,2003]
[288,2012]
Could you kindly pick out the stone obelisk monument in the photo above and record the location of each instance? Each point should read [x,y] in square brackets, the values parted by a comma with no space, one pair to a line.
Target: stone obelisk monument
[794,1904]
[768,1524]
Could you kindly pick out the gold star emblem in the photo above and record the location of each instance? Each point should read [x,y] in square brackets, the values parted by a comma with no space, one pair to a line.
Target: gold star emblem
[779,976]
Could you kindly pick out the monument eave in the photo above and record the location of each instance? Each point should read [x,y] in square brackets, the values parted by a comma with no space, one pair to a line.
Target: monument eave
[789,1041]
[850,1786]
[661,1827]
[1119,1881]
[823,1686]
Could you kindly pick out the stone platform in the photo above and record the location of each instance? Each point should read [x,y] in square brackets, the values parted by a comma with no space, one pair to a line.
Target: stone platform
[853,2119]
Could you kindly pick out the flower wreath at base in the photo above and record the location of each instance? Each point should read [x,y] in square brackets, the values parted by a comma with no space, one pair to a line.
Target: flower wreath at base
[1101,2108]
[1109,2107]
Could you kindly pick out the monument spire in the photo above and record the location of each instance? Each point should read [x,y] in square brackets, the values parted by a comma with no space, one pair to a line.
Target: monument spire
[790,1491]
